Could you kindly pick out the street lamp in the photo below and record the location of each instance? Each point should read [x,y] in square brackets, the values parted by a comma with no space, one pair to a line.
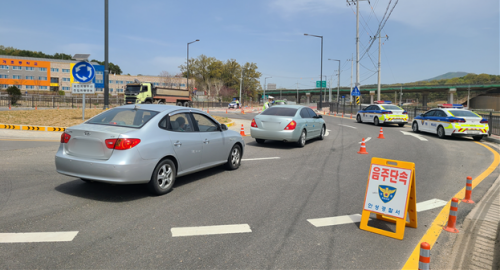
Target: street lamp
[338,84]
[265,88]
[321,75]
[187,83]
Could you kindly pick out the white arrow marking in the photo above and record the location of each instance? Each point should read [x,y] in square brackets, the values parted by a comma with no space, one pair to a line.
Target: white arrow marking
[367,139]
[327,132]
[347,126]
[331,221]
[414,135]
[37,237]
[249,159]
[210,230]
[430,204]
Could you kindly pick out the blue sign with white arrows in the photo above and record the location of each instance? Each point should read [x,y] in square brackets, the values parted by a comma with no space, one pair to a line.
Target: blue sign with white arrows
[355,92]
[83,72]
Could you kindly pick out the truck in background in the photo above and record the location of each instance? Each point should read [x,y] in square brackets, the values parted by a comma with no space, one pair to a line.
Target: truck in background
[147,93]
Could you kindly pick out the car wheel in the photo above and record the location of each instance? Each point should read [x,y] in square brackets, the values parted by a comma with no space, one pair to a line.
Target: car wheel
[234,159]
[376,121]
[186,104]
[178,103]
[414,127]
[478,138]
[163,178]
[358,119]
[261,141]
[322,134]
[401,125]
[440,132]
[147,102]
[302,139]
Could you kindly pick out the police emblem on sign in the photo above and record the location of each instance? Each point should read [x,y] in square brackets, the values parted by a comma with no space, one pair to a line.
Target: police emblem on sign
[386,193]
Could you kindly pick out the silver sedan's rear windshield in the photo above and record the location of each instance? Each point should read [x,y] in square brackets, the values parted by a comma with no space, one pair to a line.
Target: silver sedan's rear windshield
[123,117]
[463,113]
[280,111]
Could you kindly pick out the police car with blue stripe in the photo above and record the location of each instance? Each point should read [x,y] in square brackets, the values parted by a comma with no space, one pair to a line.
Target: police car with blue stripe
[383,113]
[451,120]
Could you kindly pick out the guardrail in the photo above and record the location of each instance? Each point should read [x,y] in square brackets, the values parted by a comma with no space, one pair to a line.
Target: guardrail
[59,101]
[493,123]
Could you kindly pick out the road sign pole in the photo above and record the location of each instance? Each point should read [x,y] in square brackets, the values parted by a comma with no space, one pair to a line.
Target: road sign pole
[83,108]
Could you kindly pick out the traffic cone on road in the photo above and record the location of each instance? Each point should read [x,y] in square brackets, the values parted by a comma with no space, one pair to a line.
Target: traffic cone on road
[425,256]
[208,111]
[324,112]
[328,113]
[36,107]
[242,132]
[381,134]
[351,115]
[226,111]
[362,149]
[452,219]
[9,106]
[242,111]
[468,191]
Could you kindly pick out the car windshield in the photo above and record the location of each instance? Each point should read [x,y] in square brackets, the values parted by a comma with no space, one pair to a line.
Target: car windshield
[391,107]
[280,111]
[280,103]
[134,118]
[463,113]
[131,89]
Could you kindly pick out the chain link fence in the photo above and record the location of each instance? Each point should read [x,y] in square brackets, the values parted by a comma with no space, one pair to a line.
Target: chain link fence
[59,101]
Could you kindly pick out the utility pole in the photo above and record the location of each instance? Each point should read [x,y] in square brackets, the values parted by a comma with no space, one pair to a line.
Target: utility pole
[297,101]
[379,58]
[349,2]
[106,68]
[351,77]
[401,96]
[265,88]
[468,98]
[241,85]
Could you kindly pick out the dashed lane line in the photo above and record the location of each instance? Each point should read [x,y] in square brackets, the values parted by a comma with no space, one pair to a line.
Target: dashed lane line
[250,159]
[34,237]
[414,135]
[348,219]
[367,139]
[210,230]
[347,126]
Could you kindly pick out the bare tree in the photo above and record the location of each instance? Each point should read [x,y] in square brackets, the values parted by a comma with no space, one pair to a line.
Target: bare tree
[166,78]
[217,86]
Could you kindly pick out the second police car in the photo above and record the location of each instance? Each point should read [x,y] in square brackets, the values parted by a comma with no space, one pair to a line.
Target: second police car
[383,114]
[451,120]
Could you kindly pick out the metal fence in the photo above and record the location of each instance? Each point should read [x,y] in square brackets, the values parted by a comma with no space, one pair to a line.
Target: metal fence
[59,101]
[209,104]
[493,123]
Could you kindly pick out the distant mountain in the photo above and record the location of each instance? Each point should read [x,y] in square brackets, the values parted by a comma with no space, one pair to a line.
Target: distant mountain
[449,75]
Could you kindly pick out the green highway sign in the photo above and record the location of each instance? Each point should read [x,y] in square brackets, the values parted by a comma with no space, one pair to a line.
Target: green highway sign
[322,82]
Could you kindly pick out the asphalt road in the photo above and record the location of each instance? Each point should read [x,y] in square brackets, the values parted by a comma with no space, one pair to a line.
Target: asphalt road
[125,227]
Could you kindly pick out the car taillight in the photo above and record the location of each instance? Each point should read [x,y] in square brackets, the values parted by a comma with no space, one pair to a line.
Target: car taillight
[253,124]
[405,112]
[121,144]
[291,125]
[458,120]
[484,121]
[65,137]
[386,112]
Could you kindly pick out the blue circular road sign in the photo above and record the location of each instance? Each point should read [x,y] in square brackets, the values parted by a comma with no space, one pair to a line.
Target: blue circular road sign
[83,72]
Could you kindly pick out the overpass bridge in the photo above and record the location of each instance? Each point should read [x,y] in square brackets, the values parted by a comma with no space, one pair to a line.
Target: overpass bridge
[366,91]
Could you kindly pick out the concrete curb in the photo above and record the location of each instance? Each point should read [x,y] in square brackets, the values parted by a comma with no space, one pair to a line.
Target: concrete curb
[493,139]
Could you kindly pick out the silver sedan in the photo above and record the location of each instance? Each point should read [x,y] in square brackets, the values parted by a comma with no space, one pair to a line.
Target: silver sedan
[289,123]
[150,144]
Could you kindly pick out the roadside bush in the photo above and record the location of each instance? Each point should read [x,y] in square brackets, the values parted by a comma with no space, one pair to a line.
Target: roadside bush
[61,93]
[14,94]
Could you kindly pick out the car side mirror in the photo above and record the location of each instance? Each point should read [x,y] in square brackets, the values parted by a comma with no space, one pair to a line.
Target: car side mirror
[319,116]
[421,114]
[223,127]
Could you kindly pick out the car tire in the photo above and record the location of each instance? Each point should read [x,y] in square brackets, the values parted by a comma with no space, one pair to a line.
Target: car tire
[260,141]
[302,139]
[401,125]
[179,103]
[147,102]
[87,181]
[478,138]
[163,177]
[358,119]
[234,159]
[414,127]
[376,121]
[322,133]
[440,132]
[186,104]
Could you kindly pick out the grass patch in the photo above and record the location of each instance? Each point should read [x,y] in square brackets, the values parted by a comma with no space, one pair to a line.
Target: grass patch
[58,117]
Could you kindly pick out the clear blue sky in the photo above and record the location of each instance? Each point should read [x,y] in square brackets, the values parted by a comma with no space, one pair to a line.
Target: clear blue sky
[426,37]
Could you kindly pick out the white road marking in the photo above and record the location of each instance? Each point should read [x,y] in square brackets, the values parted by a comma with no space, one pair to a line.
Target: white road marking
[367,139]
[37,237]
[264,158]
[414,135]
[327,132]
[430,204]
[211,230]
[331,221]
[347,126]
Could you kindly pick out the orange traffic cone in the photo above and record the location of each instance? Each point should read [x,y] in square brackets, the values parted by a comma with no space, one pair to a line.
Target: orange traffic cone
[226,111]
[9,106]
[342,114]
[351,115]
[362,149]
[242,132]
[324,112]
[242,111]
[328,113]
[36,107]
[381,134]
[208,111]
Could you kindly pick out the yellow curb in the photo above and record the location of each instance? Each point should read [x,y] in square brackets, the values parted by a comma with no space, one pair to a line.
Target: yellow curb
[32,128]
[436,228]
[230,124]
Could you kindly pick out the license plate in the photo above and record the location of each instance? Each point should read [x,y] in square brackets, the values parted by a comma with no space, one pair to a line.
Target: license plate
[398,120]
[472,132]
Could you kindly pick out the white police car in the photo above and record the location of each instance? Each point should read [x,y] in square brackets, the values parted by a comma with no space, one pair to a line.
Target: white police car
[451,120]
[385,113]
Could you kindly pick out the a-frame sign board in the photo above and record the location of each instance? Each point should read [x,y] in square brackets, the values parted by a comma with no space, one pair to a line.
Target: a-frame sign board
[391,195]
